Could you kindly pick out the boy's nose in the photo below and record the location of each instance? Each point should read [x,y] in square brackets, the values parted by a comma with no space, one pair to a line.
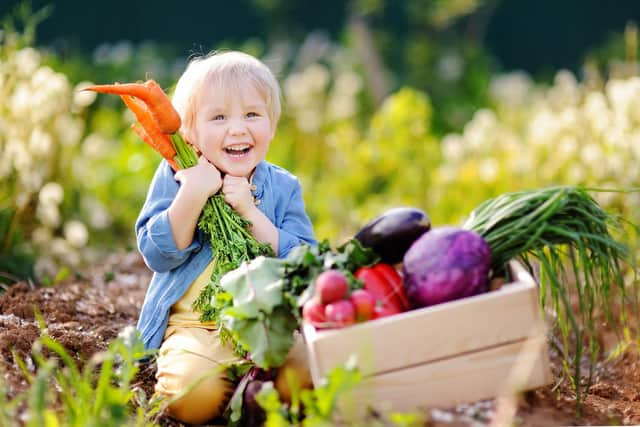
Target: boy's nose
[236,127]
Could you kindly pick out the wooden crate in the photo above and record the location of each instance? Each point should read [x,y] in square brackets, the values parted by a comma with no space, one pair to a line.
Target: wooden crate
[461,351]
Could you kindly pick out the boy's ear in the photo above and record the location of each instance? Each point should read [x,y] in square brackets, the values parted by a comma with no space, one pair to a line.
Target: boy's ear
[188,136]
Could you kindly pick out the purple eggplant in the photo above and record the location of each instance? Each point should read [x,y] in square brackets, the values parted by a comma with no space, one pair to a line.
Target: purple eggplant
[391,234]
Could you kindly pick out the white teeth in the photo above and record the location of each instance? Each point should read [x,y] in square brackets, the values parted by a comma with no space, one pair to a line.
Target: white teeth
[240,147]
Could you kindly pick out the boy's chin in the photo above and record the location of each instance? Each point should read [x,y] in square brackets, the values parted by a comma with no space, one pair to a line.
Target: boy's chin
[244,172]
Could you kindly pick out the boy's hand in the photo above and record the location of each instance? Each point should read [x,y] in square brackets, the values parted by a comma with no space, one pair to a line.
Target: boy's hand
[201,179]
[237,192]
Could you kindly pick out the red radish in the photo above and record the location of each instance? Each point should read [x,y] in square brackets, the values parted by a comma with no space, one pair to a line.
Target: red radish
[364,302]
[340,313]
[313,312]
[331,286]
[384,310]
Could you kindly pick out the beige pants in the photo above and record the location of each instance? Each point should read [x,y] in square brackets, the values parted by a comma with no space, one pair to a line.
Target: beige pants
[192,376]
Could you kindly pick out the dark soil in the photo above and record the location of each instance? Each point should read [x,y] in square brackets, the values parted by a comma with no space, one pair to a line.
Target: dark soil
[85,314]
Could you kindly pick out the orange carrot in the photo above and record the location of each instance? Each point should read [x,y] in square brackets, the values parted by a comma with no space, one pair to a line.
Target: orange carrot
[154,137]
[166,117]
[137,128]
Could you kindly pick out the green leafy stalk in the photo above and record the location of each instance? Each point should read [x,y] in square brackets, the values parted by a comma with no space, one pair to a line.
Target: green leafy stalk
[559,225]
[229,236]
[263,297]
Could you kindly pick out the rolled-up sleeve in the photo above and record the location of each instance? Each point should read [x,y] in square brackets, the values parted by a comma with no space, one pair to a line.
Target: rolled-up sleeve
[153,230]
[295,227]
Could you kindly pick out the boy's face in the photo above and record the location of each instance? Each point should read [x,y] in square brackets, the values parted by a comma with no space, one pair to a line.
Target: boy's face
[232,129]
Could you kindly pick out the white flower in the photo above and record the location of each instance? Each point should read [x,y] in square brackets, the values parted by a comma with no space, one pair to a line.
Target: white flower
[42,77]
[488,170]
[51,193]
[83,99]
[19,155]
[576,173]
[20,103]
[544,126]
[60,247]
[76,233]
[32,180]
[341,106]
[620,94]
[49,215]
[512,89]
[596,112]
[592,155]
[566,90]
[452,148]
[40,142]
[317,77]
[69,129]
[348,82]
[296,91]
[27,61]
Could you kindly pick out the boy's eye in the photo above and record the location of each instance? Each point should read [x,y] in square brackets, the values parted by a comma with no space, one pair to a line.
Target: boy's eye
[252,114]
[218,117]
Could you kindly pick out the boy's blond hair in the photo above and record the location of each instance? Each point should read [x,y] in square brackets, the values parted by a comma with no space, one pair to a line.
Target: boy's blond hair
[225,70]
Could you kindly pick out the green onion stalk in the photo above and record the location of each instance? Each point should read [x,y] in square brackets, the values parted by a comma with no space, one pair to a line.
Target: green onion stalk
[229,234]
[568,233]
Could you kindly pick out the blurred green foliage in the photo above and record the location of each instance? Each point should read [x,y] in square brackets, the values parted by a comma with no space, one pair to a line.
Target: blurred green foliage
[355,154]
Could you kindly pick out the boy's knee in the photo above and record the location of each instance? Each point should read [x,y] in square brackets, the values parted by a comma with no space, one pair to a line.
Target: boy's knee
[195,395]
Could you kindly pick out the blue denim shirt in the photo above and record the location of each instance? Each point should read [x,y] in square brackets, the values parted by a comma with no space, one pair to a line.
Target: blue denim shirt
[280,196]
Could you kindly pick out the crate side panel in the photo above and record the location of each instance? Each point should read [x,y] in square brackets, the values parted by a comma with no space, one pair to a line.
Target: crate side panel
[485,374]
[432,333]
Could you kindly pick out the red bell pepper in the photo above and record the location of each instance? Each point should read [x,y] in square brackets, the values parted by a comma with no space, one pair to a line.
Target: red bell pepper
[385,284]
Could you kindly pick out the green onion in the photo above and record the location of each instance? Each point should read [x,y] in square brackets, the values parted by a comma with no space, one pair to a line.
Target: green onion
[566,230]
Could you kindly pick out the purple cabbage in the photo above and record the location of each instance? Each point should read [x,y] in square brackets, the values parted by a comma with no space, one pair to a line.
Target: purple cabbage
[445,264]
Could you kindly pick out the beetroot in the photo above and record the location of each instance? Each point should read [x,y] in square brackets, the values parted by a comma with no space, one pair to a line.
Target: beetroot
[445,264]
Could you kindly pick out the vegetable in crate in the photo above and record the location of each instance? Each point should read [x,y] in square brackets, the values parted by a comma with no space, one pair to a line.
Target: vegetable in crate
[445,264]
[391,234]
[385,284]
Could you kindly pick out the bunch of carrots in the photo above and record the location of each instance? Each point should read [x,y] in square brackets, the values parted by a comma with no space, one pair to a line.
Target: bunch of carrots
[231,241]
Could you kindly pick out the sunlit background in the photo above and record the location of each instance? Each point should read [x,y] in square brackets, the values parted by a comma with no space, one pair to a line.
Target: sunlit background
[429,103]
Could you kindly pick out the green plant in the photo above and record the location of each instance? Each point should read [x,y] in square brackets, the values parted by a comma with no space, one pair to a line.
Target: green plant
[60,393]
[328,404]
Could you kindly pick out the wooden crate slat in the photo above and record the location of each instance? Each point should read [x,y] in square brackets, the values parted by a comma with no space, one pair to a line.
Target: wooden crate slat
[470,377]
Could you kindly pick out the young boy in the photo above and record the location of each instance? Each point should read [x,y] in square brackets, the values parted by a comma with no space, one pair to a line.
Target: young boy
[230,105]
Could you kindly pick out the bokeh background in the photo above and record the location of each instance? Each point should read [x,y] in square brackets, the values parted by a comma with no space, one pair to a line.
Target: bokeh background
[437,104]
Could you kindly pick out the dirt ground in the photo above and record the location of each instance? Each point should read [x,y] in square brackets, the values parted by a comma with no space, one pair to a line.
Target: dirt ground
[85,314]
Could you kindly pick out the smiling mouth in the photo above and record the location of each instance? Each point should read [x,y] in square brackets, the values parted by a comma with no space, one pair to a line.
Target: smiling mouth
[238,150]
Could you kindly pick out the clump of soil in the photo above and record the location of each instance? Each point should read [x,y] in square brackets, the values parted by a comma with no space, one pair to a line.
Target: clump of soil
[85,314]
